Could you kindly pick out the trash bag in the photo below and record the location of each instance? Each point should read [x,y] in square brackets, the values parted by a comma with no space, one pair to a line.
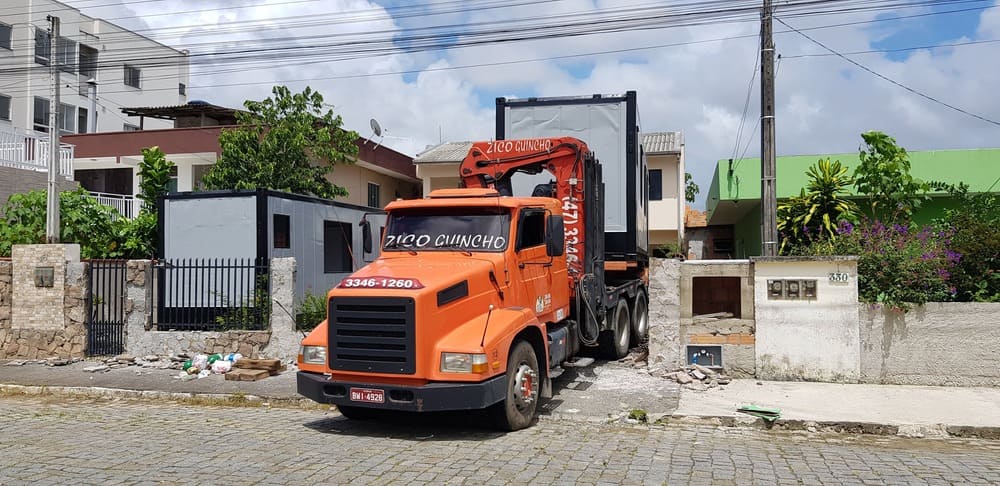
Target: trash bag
[213,358]
[187,364]
[233,357]
[221,367]
[200,361]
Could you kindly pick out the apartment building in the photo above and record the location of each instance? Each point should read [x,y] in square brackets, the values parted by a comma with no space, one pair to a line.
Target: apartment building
[103,68]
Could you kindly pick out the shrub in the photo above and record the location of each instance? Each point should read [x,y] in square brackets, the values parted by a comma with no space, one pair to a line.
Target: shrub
[311,312]
[82,220]
[897,266]
[975,224]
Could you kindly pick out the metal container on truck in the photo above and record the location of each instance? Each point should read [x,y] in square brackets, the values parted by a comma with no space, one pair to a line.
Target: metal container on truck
[609,125]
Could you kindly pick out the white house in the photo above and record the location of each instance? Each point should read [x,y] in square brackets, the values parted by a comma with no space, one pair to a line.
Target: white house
[123,67]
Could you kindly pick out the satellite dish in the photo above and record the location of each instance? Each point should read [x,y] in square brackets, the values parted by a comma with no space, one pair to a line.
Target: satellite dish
[376,128]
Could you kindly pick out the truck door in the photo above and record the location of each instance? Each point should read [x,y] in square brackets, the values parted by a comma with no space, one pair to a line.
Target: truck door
[532,260]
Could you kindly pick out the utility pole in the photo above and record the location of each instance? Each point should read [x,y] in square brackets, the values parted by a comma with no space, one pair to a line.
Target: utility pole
[52,201]
[768,196]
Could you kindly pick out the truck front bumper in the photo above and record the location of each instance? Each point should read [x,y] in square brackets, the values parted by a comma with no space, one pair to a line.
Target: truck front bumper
[431,397]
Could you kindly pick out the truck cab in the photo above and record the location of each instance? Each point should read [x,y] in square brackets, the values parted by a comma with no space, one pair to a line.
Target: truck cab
[467,307]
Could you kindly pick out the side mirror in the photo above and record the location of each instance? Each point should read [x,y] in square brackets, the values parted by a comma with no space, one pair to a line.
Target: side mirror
[366,235]
[555,236]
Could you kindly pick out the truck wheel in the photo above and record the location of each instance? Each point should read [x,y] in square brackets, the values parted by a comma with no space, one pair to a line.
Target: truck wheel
[640,319]
[613,342]
[517,410]
[357,413]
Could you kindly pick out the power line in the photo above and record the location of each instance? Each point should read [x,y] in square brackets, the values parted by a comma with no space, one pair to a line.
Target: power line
[900,49]
[746,102]
[907,88]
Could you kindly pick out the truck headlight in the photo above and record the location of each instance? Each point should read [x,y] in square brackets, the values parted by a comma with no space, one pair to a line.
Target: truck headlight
[314,354]
[463,363]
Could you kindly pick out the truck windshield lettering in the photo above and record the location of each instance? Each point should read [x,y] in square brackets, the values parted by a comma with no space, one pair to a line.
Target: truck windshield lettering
[462,229]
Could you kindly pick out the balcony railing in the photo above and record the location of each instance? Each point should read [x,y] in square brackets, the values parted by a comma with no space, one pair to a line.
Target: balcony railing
[30,151]
[128,206]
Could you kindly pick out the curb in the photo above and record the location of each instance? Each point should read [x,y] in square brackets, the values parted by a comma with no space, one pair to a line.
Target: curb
[931,431]
[152,395]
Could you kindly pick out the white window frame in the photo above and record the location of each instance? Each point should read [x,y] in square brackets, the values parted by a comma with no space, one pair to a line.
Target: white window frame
[8,42]
[138,76]
[6,116]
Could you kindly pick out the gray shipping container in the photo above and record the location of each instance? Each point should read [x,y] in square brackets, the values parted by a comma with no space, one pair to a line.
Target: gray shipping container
[609,124]
[322,235]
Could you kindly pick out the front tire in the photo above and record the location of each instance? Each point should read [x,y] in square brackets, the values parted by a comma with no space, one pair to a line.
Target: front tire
[524,382]
[613,342]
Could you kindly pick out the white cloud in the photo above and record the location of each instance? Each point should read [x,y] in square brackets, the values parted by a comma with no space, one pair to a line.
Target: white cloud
[823,103]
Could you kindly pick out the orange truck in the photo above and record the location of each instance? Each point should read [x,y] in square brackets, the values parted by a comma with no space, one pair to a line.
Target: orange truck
[480,298]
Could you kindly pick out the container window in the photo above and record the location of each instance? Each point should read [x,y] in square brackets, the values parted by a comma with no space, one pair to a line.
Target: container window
[337,247]
[282,231]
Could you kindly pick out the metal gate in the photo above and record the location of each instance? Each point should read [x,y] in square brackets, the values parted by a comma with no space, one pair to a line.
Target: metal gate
[106,308]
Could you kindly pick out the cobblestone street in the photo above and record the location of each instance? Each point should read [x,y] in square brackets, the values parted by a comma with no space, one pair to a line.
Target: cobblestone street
[62,442]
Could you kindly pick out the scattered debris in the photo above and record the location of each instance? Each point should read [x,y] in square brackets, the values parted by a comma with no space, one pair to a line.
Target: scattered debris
[96,368]
[246,369]
[58,362]
[16,362]
[694,377]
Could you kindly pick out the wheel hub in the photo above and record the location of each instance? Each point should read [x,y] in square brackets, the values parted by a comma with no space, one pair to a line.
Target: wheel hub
[525,385]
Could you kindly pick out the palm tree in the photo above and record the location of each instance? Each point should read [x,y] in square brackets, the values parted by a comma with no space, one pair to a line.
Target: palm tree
[819,207]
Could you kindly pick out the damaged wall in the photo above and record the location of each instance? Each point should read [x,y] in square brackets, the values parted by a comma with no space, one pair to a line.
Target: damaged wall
[733,334]
[664,314]
[951,344]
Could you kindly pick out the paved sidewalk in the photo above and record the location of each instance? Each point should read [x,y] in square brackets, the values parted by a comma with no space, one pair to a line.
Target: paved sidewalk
[915,410]
[608,392]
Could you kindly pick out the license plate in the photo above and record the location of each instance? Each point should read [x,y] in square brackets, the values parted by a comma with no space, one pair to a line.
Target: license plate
[369,395]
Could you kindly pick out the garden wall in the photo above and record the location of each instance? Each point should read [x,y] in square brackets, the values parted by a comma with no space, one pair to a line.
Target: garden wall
[954,344]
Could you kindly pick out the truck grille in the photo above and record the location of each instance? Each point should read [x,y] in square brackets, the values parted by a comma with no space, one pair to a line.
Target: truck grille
[373,334]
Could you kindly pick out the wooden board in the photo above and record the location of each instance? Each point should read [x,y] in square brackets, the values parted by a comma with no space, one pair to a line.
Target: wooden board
[247,375]
[258,364]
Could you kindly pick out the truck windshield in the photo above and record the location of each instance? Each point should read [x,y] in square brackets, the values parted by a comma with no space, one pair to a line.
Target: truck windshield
[461,229]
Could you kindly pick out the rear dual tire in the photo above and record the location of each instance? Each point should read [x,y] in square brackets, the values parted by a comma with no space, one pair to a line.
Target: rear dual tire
[613,343]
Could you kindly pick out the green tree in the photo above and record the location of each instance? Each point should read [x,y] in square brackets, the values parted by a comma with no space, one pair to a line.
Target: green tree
[691,189]
[286,143]
[819,207]
[139,236]
[884,177]
[83,220]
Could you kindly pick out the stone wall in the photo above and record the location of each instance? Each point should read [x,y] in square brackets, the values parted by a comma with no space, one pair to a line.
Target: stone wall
[952,344]
[664,314]
[44,322]
[281,341]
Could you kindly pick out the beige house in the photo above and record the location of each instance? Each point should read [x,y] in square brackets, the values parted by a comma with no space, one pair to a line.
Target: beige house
[437,167]
[107,164]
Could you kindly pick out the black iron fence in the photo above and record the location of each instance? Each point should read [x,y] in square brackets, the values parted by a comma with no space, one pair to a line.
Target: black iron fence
[213,294]
[106,308]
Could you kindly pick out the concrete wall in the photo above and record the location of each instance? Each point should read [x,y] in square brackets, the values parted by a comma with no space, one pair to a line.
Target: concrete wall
[664,314]
[16,181]
[810,339]
[43,322]
[955,344]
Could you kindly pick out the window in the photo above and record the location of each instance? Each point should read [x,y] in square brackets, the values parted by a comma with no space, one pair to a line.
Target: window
[373,195]
[82,120]
[66,55]
[337,239]
[655,184]
[531,230]
[132,75]
[5,32]
[281,228]
[4,107]
[65,118]
[88,68]
[128,127]
[41,117]
[172,185]
[42,46]
[182,89]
